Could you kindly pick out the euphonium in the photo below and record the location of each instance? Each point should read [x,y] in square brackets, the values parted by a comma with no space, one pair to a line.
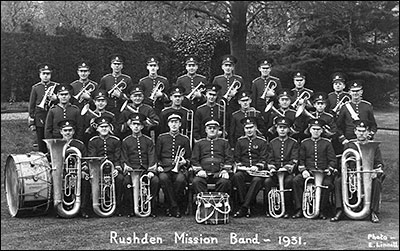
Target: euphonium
[89,88]
[270,87]
[339,105]
[234,87]
[358,182]
[47,97]
[66,174]
[180,153]
[103,186]
[200,87]
[159,87]
[276,198]
[141,193]
[312,194]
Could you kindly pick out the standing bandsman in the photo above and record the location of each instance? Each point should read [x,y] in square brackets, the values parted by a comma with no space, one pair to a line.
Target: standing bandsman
[63,110]
[108,146]
[116,84]
[338,95]
[44,90]
[138,153]
[252,152]
[284,155]
[83,85]
[172,164]
[212,160]
[191,81]
[261,95]
[301,94]
[211,109]
[356,109]
[316,153]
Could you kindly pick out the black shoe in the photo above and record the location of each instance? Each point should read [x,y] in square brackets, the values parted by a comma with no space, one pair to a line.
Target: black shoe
[85,216]
[267,214]
[299,214]
[168,213]
[240,213]
[153,215]
[286,216]
[374,218]
[338,216]
[323,217]
[248,214]
[131,215]
[178,214]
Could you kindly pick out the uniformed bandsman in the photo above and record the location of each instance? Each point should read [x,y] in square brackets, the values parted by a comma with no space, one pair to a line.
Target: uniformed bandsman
[212,160]
[301,94]
[356,109]
[173,153]
[176,96]
[265,80]
[108,146]
[191,81]
[138,153]
[83,86]
[338,95]
[38,113]
[116,94]
[284,155]
[251,152]
[61,111]
[316,153]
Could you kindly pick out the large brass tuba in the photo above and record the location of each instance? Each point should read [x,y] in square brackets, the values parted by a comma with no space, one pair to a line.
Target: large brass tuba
[312,194]
[103,186]
[357,181]
[276,197]
[141,193]
[66,174]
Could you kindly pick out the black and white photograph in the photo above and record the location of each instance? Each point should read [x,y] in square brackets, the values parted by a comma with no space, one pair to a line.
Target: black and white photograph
[222,125]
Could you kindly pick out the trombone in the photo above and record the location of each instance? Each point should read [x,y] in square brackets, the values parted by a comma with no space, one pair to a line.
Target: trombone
[158,88]
[200,87]
[339,105]
[233,88]
[270,87]
[90,87]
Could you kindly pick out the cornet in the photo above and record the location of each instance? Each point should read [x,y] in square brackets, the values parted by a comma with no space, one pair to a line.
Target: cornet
[158,88]
[270,87]
[339,105]
[276,197]
[87,88]
[200,87]
[47,97]
[233,88]
[180,153]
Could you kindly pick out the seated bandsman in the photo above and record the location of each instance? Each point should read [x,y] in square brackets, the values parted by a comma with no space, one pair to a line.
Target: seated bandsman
[173,153]
[250,154]
[316,153]
[361,129]
[108,146]
[212,160]
[284,157]
[67,130]
[138,153]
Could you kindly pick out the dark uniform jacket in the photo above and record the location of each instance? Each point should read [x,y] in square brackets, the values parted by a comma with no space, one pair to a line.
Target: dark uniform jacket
[148,84]
[167,148]
[211,155]
[345,123]
[251,151]
[284,152]
[189,82]
[316,154]
[333,99]
[289,113]
[168,110]
[330,123]
[37,116]
[77,86]
[57,114]
[257,88]
[87,118]
[225,82]
[201,114]
[108,147]
[298,92]
[138,152]
[236,127]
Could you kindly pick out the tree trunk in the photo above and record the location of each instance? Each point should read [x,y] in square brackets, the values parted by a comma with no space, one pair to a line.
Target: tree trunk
[238,37]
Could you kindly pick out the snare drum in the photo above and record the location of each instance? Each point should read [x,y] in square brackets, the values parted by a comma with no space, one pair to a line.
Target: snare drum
[28,184]
[212,208]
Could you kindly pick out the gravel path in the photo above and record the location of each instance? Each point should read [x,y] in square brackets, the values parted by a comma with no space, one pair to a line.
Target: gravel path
[14,116]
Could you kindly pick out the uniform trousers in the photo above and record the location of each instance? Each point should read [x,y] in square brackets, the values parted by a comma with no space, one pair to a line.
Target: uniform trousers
[173,185]
[221,185]
[246,197]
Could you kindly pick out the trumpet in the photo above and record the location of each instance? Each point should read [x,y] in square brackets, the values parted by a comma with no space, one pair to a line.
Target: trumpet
[276,197]
[120,87]
[47,97]
[178,157]
[141,193]
[87,88]
[270,87]
[339,105]
[158,88]
[200,87]
[233,88]
[312,194]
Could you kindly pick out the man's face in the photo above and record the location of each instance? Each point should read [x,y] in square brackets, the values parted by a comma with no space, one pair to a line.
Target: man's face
[117,67]
[67,133]
[212,131]
[176,99]
[45,76]
[315,131]
[245,104]
[104,129]
[100,104]
[320,106]
[63,97]
[356,94]
[299,82]
[227,68]
[284,102]
[152,68]
[338,86]
[282,130]
[136,127]
[137,98]
[361,133]
[174,125]
[83,74]
[191,68]
[250,130]
[265,70]
[211,96]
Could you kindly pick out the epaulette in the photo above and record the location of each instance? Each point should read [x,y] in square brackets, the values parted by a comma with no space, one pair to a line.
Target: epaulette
[165,108]
[163,77]
[110,113]
[147,137]
[185,109]
[94,137]
[163,134]
[238,76]
[184,135]
[37,84]
[75,106]
[79,141]
[292,139]
[124,75]
[274,77]
[93,82]
[290,109]
[201,75]
[259,137]
[143,78]
[127,137]
[108,74]
[235,112]
[241,137]
[200,106]
[304,140]
[257,78]
[367,102]
[308,90]
[114,137]
[326,113]
[331,93]
[326,139]
[223,139]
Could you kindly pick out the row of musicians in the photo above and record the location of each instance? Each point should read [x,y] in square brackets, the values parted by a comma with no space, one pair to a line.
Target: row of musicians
[211,160]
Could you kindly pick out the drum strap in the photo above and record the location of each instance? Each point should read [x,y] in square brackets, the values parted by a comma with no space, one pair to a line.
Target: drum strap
[353,114]
[215,208]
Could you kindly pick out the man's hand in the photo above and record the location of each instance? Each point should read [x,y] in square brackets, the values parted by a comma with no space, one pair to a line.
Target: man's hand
[116,93]
[32,128]
[254,168]
[345,141]
[305,174]
[127,169]
[224,174]
[201,174]
[150,174]
[160,169]
[115,173]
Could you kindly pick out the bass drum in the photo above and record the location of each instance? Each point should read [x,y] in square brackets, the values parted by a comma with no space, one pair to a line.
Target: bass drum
[28,184]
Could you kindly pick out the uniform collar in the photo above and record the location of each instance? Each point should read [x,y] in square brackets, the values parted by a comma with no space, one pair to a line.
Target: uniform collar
[104,137]
[228,76]
[174,134]
[283,139]
[211,139]
[252,137]
[315,139]
[138,135]
[116,75]
[153,76]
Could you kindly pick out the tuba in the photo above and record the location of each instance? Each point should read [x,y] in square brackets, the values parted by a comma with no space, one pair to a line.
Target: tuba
[270,87]
[66,174]
[159,87]
[357,182]
[200,87]
[234,87]
[312,194]
[47,97]
[103,186]
[276,197]
[88,88]
[141,193]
